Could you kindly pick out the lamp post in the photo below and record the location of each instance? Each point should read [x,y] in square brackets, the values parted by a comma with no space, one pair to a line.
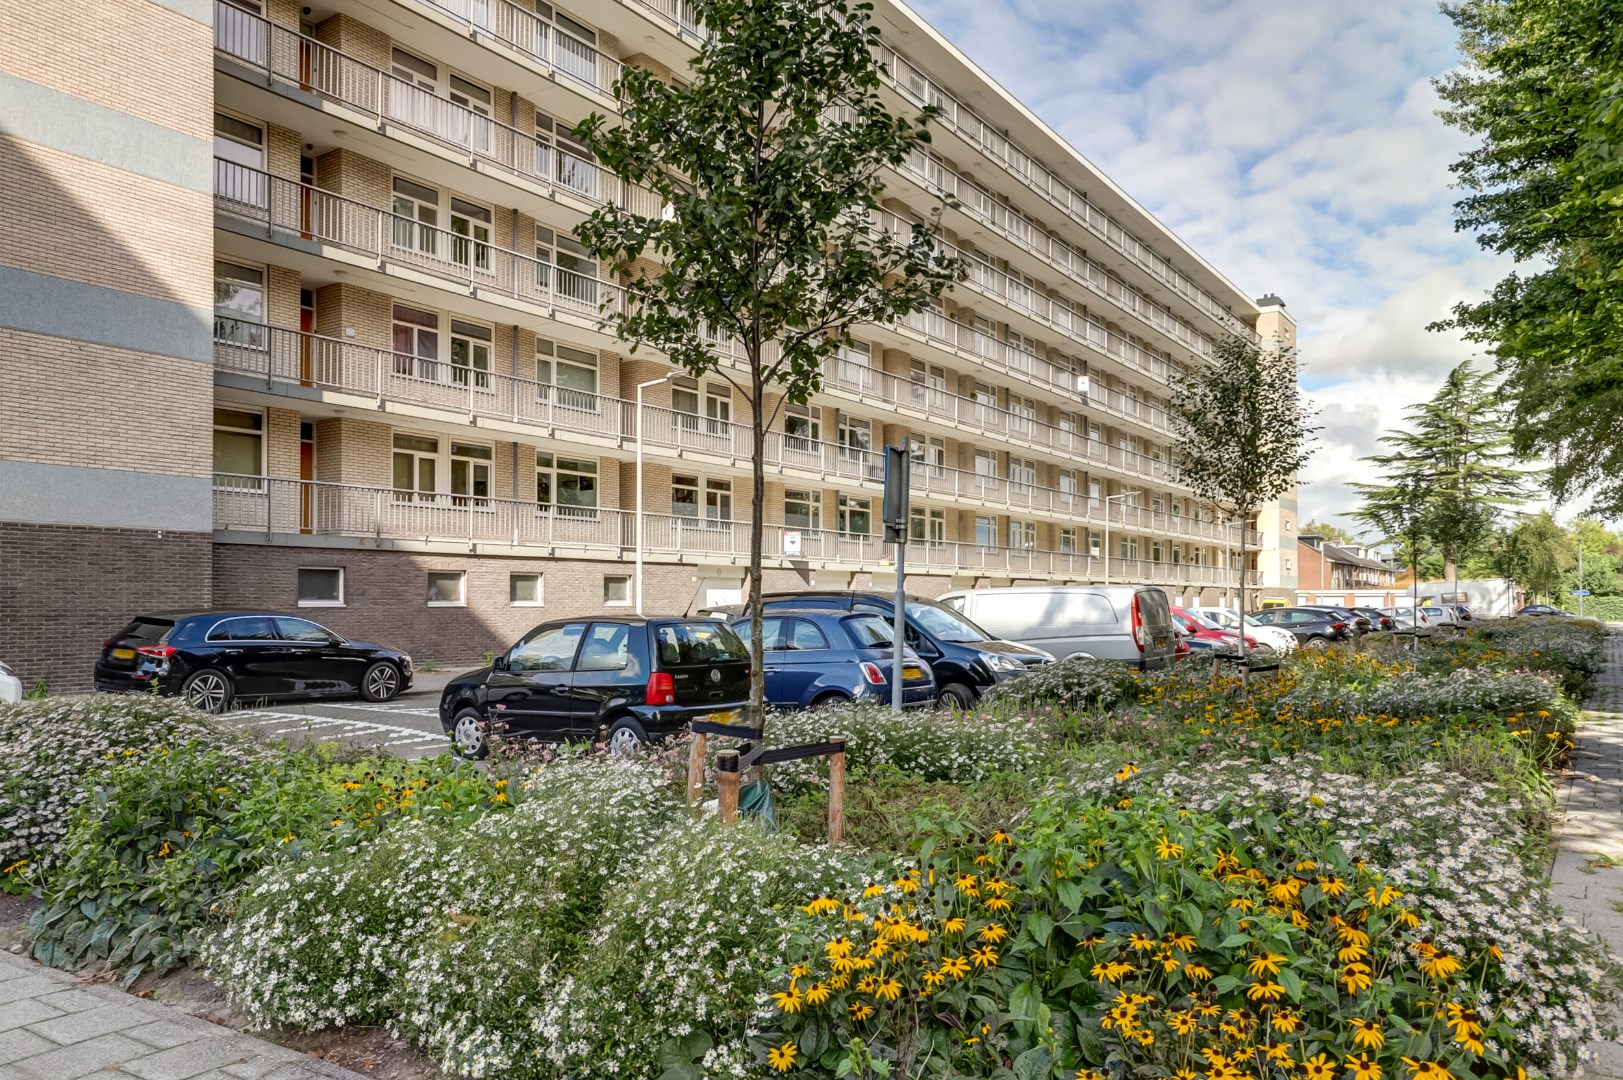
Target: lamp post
[669,375]
[1108,500]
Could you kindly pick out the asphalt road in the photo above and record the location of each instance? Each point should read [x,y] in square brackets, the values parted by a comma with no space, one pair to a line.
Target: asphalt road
[408,726]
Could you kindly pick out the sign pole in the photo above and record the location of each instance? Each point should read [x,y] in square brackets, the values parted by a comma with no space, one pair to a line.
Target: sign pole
[898,462]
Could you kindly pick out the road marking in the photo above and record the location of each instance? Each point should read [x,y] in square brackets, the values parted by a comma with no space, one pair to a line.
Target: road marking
[298,722]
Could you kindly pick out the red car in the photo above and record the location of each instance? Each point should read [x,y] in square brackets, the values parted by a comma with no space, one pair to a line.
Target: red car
[1196,627]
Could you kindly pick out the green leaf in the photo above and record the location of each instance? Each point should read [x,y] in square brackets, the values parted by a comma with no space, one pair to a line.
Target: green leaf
[1034,1064]
[1040,926]
[1292,982]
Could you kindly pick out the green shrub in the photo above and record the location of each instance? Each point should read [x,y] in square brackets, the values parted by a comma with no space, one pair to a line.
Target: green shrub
[1075,684]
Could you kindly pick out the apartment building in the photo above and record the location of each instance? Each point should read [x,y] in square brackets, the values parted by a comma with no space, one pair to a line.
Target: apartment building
[292,316]
[1337,568]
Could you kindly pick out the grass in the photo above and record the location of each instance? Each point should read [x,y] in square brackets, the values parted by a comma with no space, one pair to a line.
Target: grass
[888,810]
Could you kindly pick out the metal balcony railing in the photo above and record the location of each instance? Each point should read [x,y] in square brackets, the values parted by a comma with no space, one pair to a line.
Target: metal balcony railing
[274,505]
[538,41]
[310,66]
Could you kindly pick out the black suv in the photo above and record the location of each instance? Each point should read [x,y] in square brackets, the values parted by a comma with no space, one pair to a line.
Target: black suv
[216,658]
[630,679]
[1315,628]
[966,659]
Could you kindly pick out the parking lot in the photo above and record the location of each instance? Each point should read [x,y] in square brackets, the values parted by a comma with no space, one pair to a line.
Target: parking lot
[408,726]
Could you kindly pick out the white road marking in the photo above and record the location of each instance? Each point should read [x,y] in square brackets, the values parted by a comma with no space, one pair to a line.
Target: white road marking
[279,723]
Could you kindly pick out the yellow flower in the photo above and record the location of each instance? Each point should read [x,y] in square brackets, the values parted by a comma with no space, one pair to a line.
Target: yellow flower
[984,956]
[799,971]
[1285,1022]
[1181,1023]
[907,884]
[1440,966]
[1368,1033]
[1363,1068]
[1381,895]
[1319,1068]
[1266,964]
[888,990]
[1428,1070]
[788,1000]
[1265,991]
[1126,770]
[1166,849]
[932,979]
[822,905]
[1197,971]
[994,885]
[997,903]
[964,881]
[816,995]
[872,891]
[782,1058]
[837,949]
[993,932]
[1355,977]
[956,966]
[861,1010]
[1001,837]
[954,925]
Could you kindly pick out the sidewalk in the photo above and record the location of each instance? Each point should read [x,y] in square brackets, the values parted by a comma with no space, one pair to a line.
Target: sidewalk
[54,1027]
[1592,825]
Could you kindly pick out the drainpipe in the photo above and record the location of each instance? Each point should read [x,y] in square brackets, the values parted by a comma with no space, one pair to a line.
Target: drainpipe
[514,385]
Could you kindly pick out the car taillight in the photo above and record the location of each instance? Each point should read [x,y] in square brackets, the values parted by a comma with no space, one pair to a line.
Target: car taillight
[1138,625]
[162,652]
[1251,642]
[1338,626]
[661,689]
[872,673]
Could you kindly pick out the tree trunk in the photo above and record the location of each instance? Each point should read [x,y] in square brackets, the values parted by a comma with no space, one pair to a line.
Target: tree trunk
[1451,563]
[757,716]
[1245,656]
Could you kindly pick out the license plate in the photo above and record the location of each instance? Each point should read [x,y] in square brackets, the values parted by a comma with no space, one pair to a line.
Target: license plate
[123,654]
[909,671]
[726,716]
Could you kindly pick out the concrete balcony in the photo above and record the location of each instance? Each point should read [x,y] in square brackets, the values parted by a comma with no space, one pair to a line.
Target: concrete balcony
[251,356]
[271,509]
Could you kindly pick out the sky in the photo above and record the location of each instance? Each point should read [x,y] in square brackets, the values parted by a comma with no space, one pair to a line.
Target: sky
[1297,148]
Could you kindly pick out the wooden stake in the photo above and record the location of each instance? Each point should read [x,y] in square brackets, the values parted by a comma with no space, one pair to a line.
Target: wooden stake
[727,785]
[836,792]
[696,752]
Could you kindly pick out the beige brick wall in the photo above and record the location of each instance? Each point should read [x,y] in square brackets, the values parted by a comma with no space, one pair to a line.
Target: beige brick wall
[57,405]
[69,217]
[138,58]
[282,152]
[356,39]
[355,176]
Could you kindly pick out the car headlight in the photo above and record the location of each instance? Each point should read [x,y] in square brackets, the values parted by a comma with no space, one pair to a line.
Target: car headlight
[1000,662]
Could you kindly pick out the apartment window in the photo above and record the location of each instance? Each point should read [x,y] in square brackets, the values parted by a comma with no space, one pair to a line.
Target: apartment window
[803,510]
[718,410]
[524,590]
[855,516]
[416,466]
[239,161]
[1068,483]
[566,376]
[1022,414]
[928,526]
[856,437]
[416,342]
[470,474]
[1177,508]
[566,267]
[685,403]
[981,270]
[986,410]
[568,485]
[321,586]
[1289,568]
[447,588]
[685,497]
[616,590]
[986,469]
[576,56]
[239,305]
[985,335]
[929,453]
[1177,554]
[1067,541]
[470,354]
[718,503]
[470,230]
[929,384]
[802,428]
[1155,551]
[1127,547]
[986,532]
[1070,431]
[473,127]
[1022,474]
[416,216]
[1095,543]
[1023,535]
[239,448]
[856,364]
[1022,351]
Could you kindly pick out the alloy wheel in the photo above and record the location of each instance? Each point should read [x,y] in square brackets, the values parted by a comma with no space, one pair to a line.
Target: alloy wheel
[207,691]
[382,682]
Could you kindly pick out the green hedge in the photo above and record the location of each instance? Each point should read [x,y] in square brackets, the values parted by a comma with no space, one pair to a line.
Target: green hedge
[1605,608]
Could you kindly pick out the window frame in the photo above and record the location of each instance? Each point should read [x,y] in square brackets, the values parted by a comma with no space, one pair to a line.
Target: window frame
[813,502]
[555,471]
[303,603]
[262,433]
[624,579]
[540,588]
[415,493]
[462,588]
[255,339]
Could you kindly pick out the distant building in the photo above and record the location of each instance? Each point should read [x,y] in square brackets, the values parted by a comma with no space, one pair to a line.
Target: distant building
[1326,567]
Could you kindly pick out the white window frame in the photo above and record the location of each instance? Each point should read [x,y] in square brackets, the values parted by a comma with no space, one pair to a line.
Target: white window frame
[848,425]
[415,365]
[927,525]
[1067,542]
[554,470]
[261,485]
[846,506]
[411,230]
[623,579]
[718,410]
[475,463]
[1022,474]
[470,244]
[462,587]
[550,357]
[812,500]
[467,333]
[441,473]
[339,570]
[809,419]
[540,588]
[1022,535]
[985,532]
[244,333]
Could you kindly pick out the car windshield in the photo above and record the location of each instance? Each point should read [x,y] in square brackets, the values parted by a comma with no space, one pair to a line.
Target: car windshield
[944,624]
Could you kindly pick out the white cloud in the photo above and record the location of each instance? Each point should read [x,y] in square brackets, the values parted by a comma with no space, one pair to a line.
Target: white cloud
[1296,147]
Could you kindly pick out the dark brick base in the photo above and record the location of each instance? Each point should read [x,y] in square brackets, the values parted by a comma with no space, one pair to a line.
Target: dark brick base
[65,588]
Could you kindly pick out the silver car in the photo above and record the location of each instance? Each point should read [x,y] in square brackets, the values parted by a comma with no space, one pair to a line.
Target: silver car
[1130,623]
[1405,620]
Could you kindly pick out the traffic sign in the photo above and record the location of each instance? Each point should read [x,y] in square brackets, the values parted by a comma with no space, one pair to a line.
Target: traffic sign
[1581,592]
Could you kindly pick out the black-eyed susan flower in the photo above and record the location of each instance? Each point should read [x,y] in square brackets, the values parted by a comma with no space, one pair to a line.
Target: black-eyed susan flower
[1363,1068]
[861,1010]
[782,1058]
[1368,1034]
[956,966]
[1319,1067]
[1265,964]
[984,956]
[954,925]
[1428,1070]
[789,1001]
[993,932]
[817,993]
[888,989]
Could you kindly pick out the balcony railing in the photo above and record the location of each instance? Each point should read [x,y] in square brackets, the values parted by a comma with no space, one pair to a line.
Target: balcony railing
[457,255]
[291,357]
[310,66]
[538,41]
[918,85]
[273,505]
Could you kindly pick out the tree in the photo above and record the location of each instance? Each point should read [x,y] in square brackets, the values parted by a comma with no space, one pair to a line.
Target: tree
[1538,553]
[1398,510]
[1241,432]
[1333,533]
[1542,87]
[767,162]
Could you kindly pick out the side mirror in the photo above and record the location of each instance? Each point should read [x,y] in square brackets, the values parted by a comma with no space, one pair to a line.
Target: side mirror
[499,663]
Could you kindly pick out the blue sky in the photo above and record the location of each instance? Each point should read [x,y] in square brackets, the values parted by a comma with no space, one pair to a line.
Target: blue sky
[1296,147]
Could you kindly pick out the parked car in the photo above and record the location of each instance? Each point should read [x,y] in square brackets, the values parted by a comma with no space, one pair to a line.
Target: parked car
[1202,629]
[1442,616]
[1405,622]
[965,659]
[817,658]
[1545,611]
[215,659]
[11,687]
[1358,624]
[1463,612]
[1313,628]
[1130,623]
[630,681]
[1278,637]
[1378,619]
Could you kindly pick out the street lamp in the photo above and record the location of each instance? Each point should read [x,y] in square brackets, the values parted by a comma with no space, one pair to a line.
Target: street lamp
[1108,500]
[668,376]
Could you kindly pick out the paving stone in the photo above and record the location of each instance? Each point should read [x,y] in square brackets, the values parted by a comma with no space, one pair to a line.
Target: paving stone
[33,986]
[21,1043]
[83,1026]
[253,1070]
[71,1062]
[190,1059]
[162,1034]
[27,1011]
[72,1001]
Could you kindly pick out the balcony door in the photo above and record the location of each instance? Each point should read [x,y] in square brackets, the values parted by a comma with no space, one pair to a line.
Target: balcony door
[239,164]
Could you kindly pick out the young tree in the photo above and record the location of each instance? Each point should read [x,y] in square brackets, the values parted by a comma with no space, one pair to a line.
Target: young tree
[1399,512]
[767,160]
[1540,553]
[1242,432]
[1333,533]
[1540,88]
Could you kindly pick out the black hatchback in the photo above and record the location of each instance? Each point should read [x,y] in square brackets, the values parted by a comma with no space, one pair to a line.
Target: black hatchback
[628,681]
[215,659]
[1315,628]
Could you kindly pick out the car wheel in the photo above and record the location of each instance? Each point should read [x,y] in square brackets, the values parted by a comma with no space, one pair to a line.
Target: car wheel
[1316,643]
[468,739]
[625,737]
[208,690]
[828,701]
[381,682]
[955,696]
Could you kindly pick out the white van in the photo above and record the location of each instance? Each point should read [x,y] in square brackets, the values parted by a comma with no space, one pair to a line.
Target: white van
[1130,623]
